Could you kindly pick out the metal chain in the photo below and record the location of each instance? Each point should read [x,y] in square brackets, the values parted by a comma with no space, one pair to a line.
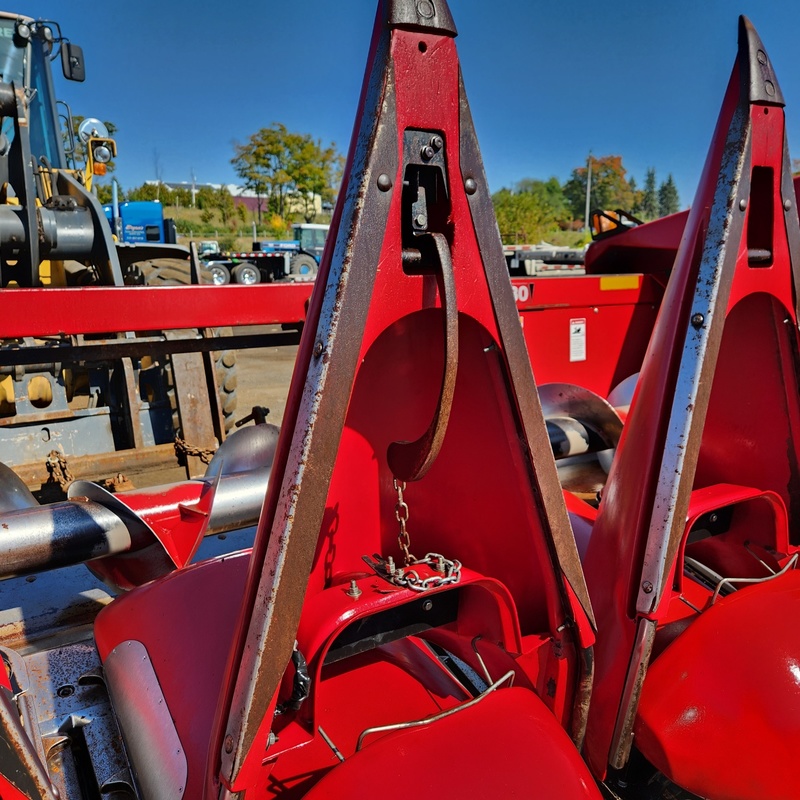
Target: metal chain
[401,514]
[58,469]
[446,571]
[186,449]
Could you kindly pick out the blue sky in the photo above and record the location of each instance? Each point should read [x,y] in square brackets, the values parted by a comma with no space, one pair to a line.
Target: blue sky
[547,82]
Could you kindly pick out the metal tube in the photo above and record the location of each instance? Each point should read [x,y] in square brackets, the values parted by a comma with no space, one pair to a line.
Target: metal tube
[79,530]
[58,535]
[238,501]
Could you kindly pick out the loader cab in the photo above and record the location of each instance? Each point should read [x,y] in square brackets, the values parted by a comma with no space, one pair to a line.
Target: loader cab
[26,48]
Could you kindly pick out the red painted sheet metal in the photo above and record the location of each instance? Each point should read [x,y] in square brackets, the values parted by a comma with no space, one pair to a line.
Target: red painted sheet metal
[613,560]
[536,293]
[511,726]
[102,309]
[720,710]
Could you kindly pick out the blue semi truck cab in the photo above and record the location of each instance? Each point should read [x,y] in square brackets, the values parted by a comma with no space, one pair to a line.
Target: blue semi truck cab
[142,222]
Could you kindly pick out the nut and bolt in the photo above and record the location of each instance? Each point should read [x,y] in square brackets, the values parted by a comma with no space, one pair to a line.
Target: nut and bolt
[697,320]
[229,744]
[67,690]
[647,587]
[427,605]
[437,143]
[318,349]
[353,591]
[427,153]
[421,221]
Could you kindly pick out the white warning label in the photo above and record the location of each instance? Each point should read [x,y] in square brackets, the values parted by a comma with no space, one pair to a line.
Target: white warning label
[577,339]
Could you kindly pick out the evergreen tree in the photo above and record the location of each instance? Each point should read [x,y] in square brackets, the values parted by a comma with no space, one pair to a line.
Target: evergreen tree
[668,201]
[636,206]
[649,207]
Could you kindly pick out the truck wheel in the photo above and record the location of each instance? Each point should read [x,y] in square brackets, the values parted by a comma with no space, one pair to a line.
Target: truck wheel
[246,274]
[302,264]
[216,275]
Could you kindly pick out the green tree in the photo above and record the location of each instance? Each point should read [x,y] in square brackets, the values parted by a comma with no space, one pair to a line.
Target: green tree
[313,169]
[668,200]
[262,163]
[649,209]
[278,164]
[147,191]
[638,194]
[610,188]
[529,211]
[222,201]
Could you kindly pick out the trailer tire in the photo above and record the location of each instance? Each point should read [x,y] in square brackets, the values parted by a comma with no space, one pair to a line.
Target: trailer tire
[215,274]
[303,264]
[247,274]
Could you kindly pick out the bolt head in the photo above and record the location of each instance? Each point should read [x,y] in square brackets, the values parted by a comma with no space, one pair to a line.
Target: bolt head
[698,320]
[470,187]
[384,182]
[229,744]
[647,587]
[421,221]
[742,204]
[318,348]
[427,153]
[787,205]
[437,143]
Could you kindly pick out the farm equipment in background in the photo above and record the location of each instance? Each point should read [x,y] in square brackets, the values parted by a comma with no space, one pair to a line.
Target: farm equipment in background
[292,259]
[68,405]
[543,259]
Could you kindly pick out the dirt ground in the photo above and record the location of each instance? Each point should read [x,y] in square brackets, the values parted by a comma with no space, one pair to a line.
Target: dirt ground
[264,376]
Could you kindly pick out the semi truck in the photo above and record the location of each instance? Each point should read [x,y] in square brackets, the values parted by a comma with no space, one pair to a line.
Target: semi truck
[294,259]
[141,222]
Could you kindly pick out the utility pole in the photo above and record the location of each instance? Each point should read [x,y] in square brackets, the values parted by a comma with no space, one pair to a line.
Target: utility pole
[588,193]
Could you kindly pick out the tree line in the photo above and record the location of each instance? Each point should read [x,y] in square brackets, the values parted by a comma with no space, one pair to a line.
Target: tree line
[533,209]
[293,175]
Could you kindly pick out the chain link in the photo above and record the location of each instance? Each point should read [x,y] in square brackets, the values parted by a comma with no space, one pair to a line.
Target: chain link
[182,447]
[401,513]
[446,571]
[58,469]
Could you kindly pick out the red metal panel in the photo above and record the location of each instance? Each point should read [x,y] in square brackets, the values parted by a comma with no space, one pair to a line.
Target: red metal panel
[507,727]
[720,710]
[102,309]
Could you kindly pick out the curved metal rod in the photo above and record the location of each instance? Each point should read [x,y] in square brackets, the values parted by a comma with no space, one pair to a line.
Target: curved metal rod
[409,461]
[509,676]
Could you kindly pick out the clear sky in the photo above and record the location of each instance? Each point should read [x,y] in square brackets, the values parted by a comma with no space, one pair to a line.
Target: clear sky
[547,82]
